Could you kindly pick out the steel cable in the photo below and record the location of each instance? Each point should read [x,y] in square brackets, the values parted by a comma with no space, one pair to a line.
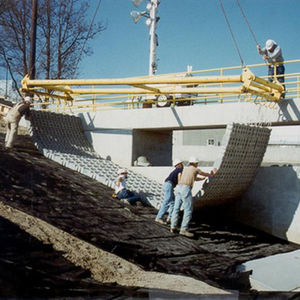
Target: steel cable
[246,20]
[232,35]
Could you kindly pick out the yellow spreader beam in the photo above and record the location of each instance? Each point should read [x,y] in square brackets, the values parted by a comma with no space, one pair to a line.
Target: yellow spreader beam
[70,89]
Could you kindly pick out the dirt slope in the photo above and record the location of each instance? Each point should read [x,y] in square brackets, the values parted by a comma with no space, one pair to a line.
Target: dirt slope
[81,209]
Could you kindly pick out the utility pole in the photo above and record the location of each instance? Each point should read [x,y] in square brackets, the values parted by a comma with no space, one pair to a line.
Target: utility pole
[151,22]
[33,39]
[153,36]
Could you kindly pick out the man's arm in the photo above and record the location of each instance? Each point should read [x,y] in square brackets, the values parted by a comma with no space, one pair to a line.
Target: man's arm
[179,176]
[211,174]
[204,173]
[119,180]
[200,178]
[261,51]
[264,53]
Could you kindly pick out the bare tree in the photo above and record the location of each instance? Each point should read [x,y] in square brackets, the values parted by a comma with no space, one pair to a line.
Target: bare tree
[69,34]
[4,5]
[63,29]
[15,28]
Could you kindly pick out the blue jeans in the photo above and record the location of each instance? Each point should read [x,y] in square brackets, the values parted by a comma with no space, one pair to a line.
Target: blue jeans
[168,202]
[279,73]
[130,196]
[183,194]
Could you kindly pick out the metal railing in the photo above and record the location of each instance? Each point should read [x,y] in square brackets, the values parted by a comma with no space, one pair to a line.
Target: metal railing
[186,88]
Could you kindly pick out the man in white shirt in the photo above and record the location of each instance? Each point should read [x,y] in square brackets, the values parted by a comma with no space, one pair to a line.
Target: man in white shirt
[121,190]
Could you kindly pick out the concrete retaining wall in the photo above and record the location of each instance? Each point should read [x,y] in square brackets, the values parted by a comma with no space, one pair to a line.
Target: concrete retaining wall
[112,144]
[272,203]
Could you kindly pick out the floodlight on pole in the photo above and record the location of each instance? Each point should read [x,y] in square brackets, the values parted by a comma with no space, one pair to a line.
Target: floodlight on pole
[136,15]
[136,3]
[151,22]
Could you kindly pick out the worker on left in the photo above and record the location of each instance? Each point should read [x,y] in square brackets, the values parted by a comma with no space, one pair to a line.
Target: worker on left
[121,191]
[13,118]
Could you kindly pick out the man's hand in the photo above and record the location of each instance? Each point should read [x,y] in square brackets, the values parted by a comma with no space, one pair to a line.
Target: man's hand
[258,47]
[213,171]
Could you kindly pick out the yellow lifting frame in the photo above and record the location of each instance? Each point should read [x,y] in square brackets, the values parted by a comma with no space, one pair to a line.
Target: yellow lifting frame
[67,89]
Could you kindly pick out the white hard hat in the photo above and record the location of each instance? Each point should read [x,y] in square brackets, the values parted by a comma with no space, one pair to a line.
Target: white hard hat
[270,44]
[122,171]
[27,99]
[143,161]
[176,162]
[193,159]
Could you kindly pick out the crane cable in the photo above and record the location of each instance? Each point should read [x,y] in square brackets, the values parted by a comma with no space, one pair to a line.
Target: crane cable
[232,35]
[246,20]
[263,122]
[249,27]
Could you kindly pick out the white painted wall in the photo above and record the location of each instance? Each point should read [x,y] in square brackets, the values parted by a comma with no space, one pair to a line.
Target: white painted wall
[115,145]
[283,148]
[285,135]
[203,153]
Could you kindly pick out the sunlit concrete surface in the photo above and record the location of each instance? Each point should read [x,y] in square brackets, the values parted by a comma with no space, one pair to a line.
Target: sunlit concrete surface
[279,272]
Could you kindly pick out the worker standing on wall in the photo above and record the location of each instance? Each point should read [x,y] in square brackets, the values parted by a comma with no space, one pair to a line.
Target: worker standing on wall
[273,55]
[13,118]
[183,194]
[169,198]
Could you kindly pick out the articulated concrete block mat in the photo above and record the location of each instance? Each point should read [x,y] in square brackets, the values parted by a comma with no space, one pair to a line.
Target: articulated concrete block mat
[244,147]
[62,139]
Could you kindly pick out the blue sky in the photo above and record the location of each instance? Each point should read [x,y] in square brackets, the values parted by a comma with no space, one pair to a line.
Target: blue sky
[190,32]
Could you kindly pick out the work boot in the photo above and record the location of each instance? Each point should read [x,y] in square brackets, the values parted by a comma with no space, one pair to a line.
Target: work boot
[168,220]
[186,233]
[160,221]
[139,204]
[125,201]
[174,229]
